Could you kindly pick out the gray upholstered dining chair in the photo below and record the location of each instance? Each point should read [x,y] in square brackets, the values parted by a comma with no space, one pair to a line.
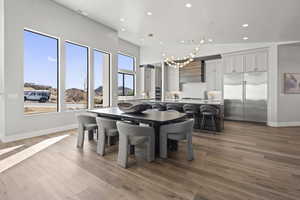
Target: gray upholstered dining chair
[106,128]
[86,122]
[130,134]
[177,131]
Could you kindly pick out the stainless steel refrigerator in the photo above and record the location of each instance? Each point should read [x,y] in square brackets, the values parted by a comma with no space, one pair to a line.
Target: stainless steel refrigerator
[245,96]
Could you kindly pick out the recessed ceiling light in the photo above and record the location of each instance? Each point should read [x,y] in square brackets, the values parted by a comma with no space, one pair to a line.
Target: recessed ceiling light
[122,19]
[123,29]
[202,41]
[245,25]
[188,5]
[245,38]
[149,13]
[210,40]
[161,43]
[164,54]
[182,41]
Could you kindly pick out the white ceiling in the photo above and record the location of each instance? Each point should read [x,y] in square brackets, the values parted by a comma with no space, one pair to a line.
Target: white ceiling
[171,22]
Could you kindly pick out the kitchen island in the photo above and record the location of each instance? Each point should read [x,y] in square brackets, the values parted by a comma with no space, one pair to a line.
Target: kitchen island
[218,104]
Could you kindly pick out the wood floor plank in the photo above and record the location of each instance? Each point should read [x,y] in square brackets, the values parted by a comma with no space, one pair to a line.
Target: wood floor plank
[247,161]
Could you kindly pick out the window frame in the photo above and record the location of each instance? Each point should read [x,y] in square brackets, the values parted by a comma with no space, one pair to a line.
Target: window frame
[127,72]
[109,72]
[88,74]
[123,84]
[58,68]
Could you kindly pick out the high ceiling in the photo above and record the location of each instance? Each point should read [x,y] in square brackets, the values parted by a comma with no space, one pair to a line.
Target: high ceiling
[171,21]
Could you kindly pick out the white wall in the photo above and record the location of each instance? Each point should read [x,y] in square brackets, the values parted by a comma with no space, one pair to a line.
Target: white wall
[288,104]
[130,49]
[273,85]
[2,122]
[50,18]
[194,90]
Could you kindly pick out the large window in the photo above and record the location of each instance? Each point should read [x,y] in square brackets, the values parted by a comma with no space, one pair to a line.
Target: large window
[101,62]
[125,84]
[126,75]
[126,62]
[40,73]
[76,93]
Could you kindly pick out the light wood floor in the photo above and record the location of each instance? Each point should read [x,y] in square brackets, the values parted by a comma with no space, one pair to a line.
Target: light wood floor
[247,161]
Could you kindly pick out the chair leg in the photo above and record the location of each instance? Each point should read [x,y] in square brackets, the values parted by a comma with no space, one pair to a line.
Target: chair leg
[80,137]
[213,121]
[91,134]
[190,152]
[109,140]
[123,151]
[151,149]
[203,122]
[101,143]
[163,145]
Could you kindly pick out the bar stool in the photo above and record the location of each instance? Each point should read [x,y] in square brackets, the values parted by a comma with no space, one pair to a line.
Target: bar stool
[210,112]
[192,111]
[174,106]
[159,107]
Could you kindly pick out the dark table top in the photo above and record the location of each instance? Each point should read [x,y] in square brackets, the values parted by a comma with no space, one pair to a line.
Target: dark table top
[147,116]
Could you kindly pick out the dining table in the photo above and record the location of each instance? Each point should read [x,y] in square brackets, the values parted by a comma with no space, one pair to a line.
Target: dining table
[152,117]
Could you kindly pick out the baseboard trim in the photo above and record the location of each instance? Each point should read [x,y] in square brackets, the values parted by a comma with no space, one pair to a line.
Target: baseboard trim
[15,137]
[283,124]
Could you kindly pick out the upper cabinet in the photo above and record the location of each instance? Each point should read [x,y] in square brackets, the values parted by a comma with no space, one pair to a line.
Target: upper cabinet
[247,61]
[233,63]
[228,64]
[256,61]
[214,75]
[238,63]
[262,61]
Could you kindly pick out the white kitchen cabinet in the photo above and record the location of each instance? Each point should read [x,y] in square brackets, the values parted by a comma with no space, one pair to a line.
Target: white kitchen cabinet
[214,75]
[246,61]
[233,63]
[262,61]
[250,64]
[228,63]
[256,61]
[219,75]
[238,64]
[210,75]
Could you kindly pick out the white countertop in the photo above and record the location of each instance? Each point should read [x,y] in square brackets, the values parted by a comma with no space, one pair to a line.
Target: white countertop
[187,101]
